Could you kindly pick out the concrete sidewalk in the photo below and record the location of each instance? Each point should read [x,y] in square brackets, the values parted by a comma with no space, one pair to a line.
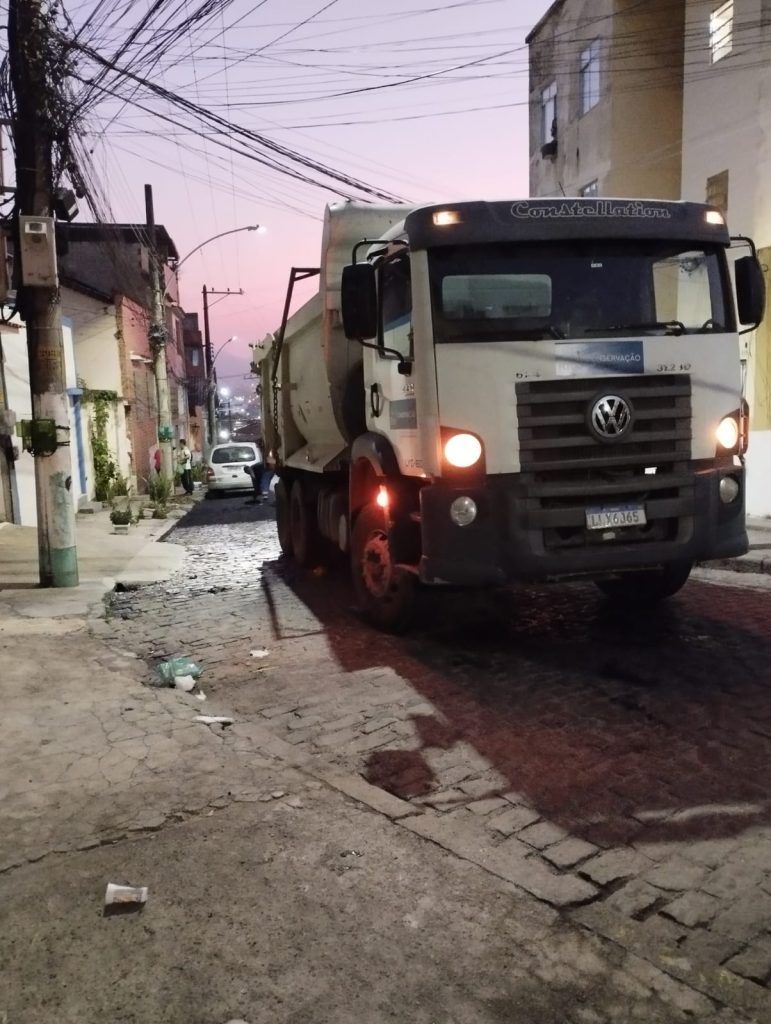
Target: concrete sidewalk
[104,560]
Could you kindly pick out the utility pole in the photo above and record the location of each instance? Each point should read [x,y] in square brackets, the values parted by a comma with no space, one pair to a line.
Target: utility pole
[158,342]
[211,380]
[211,376]
[40,118]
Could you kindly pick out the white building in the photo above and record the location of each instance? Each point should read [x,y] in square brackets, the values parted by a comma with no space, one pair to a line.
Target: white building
[13,340]
[98,356]
[726,154]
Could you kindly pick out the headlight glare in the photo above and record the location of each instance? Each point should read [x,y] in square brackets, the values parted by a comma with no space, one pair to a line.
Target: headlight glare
[727,433]
[463,450]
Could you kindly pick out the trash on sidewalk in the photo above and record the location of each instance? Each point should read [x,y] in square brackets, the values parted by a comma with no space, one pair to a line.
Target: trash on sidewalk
[200,695]
[260,652]
[125,896]
[186,683]
[214,719]
[172,668]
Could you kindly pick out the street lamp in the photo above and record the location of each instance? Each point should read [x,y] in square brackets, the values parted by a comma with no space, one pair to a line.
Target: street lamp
[233,337]
[249,227]
[211,390]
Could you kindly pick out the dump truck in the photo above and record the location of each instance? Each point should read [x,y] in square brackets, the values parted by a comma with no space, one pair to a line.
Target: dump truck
[530,390]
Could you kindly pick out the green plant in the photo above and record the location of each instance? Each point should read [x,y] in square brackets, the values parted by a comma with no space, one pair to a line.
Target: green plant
[104,466]
[199,472]
[160,512]
[159,488]
[121,517]
[119,486]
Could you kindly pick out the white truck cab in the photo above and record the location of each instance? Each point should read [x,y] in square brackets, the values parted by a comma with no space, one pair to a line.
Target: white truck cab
[538,389]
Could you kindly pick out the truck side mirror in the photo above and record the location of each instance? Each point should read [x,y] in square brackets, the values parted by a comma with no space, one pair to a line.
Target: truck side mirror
[750,290]
[358,296]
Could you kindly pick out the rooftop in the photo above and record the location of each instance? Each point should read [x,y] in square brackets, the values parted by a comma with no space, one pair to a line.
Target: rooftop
[128,234]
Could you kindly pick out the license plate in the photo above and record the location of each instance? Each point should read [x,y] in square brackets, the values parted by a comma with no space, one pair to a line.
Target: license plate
[613,517]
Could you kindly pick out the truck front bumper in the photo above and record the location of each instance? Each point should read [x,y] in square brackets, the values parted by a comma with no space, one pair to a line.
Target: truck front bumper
[512,540]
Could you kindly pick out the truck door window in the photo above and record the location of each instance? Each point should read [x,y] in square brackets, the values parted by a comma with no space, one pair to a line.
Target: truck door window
[396,305]
[681,287]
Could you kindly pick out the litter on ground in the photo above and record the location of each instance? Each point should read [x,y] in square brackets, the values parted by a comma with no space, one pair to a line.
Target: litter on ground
[173,668]
[124,894]
[214,720]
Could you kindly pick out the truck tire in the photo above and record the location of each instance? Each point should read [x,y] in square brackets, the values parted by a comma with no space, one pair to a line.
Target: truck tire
[647,587]
[386,593]
[282,518]
[303,528]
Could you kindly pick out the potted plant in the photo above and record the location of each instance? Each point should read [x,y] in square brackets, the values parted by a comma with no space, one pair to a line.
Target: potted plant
[120,492]
[121,519]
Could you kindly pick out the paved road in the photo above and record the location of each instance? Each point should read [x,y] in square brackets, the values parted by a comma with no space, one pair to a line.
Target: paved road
[615,767]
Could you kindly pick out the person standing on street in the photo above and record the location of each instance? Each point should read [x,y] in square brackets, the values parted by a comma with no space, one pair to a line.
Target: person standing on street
[185,464]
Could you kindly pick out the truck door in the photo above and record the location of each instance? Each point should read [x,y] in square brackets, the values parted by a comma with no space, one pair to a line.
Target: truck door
[391,408]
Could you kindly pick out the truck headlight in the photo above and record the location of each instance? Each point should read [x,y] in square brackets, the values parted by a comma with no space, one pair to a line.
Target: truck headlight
[462,450]
[727,433]
[463,511]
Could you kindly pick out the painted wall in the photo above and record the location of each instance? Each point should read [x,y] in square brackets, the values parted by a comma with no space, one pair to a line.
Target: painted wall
[16,368]
[727,127]
[98,362]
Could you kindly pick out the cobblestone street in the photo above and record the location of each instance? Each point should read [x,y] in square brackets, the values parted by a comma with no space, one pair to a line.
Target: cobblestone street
[615,768]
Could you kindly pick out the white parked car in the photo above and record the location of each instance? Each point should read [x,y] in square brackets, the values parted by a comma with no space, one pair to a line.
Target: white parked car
[227,466]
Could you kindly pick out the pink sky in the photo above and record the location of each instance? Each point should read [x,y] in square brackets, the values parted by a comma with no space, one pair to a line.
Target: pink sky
[456,152]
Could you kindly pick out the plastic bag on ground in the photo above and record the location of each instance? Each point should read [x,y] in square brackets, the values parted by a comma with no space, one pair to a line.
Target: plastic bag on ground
[170,669]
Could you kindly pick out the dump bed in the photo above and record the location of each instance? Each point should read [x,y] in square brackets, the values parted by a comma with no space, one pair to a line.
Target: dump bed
[319,371]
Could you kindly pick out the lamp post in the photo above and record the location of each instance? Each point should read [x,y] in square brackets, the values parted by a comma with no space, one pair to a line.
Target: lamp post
[225,393]
[232,231]
[211,390]
[210,397]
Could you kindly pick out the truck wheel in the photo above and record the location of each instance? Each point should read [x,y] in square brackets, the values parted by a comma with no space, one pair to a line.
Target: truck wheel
[648,587]
[385,592]
[303,529]
[282,518]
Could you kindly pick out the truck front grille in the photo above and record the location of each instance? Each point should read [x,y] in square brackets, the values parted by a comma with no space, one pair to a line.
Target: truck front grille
[565,469]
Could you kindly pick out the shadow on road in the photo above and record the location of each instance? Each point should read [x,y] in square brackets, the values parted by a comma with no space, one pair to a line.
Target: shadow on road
[653,726]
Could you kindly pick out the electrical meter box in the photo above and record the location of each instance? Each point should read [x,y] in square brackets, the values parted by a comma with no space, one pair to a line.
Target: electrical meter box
[37,245]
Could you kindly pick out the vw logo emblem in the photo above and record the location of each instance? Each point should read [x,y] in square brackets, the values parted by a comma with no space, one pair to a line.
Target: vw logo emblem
[610,417]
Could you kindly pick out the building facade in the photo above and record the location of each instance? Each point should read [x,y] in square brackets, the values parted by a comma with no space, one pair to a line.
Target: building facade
[19,503]
[195,372]
[111,263]
[606,79]
[726,157]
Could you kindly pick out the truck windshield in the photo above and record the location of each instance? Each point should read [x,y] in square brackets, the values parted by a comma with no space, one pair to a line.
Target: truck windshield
[512,292]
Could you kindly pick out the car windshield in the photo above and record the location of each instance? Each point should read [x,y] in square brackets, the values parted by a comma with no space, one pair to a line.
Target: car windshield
[575,289]
[234,453]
